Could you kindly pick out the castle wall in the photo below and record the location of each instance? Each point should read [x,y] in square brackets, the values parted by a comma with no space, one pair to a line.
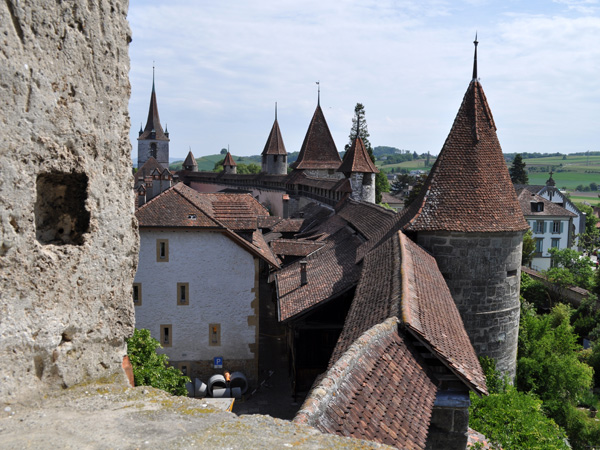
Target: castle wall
[68,238]
[275,165]
[363,187]
[145,151]
[324,173]
[483,272]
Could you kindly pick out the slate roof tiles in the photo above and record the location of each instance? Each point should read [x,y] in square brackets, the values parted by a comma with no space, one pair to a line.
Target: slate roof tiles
[526,198]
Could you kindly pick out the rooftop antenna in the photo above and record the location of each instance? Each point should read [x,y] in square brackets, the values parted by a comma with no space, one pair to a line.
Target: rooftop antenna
[475,58]
[318,93]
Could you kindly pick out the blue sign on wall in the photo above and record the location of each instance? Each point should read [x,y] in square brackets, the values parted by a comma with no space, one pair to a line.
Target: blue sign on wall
[218,362]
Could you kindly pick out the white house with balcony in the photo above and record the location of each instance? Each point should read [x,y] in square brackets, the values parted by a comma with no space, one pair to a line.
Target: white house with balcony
[552,226]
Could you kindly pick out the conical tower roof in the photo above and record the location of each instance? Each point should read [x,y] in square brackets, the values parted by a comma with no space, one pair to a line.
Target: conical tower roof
[469,188]
[318,149]
[274,145]
[190,161]
[228,161]
[153,129]
[357,159]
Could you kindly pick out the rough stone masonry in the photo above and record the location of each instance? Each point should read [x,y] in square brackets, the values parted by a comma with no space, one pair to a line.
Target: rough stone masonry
[68,238]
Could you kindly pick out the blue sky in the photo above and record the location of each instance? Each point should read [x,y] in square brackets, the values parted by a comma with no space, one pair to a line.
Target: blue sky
[221,66]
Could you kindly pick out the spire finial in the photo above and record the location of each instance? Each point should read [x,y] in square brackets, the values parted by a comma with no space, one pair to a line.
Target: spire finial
[357,126]
[152,76]
[318,93]
[275,110]
[475,58]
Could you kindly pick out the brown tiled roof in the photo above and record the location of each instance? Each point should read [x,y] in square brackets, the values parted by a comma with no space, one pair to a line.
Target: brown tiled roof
[228,160]
[367,218]
[380,390]
[331,271]
[526,198]
[149,166]
[268,221]
[429,311]
[295,247]
[259,242]
[288,226]
[388,198]
[318,150]
[469,188]
[190,160]
[357,159]
[274,145]
[153,123]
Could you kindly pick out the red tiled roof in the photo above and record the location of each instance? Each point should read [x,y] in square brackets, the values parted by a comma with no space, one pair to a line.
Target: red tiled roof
[259,242]
[153,123]
[380,390]
[429,311]
[190,160]
[331,271]
[268,221]
[318,150]
[288,226]
[274,145]
[526,198]
[228,160]
[366,217]
[149,166]
[295,247]
[469,188]
[357,159]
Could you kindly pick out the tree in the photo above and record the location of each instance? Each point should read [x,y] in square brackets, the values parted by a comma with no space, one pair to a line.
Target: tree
[224,151]
[402,182]
[518,174]
[528,248]
[414,193]
[150,368]
[579,267]
[381,185]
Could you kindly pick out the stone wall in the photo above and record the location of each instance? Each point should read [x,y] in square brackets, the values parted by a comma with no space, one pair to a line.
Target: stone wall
[152,147]
[483,272]
[275,164]
[68,239]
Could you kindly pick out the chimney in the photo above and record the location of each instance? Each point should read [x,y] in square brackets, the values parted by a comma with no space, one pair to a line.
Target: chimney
[141,196]
[303,276]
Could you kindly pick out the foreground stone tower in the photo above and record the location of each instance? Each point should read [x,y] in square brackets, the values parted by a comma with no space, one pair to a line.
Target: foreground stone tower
[469,218]
[153,141]
[274,155]
[358,167]
[68,240]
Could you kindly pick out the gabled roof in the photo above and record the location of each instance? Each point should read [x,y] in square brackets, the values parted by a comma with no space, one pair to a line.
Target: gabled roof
[469,188]
[228,161]
[318,150]
[380,390]
[526,198]
[357,159]
[153,125]
[295,247]
[274,145]
[148,168]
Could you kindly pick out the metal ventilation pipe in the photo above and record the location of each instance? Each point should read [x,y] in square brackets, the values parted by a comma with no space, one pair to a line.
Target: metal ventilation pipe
[303,276]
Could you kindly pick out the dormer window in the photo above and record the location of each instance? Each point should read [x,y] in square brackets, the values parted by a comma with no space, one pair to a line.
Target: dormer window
[192,216]
[537,206]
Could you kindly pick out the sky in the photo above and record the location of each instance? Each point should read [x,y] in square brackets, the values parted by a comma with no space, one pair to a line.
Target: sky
[220,67]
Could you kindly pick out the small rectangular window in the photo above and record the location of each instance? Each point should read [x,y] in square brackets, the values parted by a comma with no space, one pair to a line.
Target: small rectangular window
[540,226]
[555,242]
[162,250]
[183,293]
[214,334]
[556,227]
[539,245]
[511,273]
[137,294]
[166,335]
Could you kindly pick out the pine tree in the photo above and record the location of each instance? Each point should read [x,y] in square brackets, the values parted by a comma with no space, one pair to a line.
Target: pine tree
[518,174]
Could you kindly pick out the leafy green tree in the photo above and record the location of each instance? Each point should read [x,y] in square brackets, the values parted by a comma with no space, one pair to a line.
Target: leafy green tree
[513,419]
[569,260]
[590,218]
[381,185]
[223,151]
[218,167]
[534,292]
[416,190]
[402,182]
[518,173]
[528,248]
[151,368]
[251,168]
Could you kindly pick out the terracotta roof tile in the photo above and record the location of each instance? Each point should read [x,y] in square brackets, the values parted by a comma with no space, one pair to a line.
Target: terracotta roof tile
[318,150]
[268,221]
[379,390]
[331,271]
[527,198]
[274,145]
[367,218]
[288,226]
[429,311]
[190,161]
[295,247]
[357,159]
[469,188]
[228,160]
[149,166]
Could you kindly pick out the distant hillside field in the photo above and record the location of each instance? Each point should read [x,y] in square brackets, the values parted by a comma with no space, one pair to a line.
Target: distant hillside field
[569,172]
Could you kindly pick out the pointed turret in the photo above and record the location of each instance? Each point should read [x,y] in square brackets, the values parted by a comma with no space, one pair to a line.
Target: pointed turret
[318,152]
[229,165]
[190,162]
[469,218]
[274,155]
[153,141]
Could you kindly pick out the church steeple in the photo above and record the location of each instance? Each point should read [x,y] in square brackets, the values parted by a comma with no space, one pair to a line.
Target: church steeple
[153,128]
[475,58]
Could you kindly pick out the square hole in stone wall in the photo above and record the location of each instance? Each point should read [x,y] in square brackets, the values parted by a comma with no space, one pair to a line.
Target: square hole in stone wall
[60,214]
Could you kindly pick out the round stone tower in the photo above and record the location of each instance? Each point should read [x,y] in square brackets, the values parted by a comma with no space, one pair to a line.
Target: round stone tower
[274,155]
[469,218]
